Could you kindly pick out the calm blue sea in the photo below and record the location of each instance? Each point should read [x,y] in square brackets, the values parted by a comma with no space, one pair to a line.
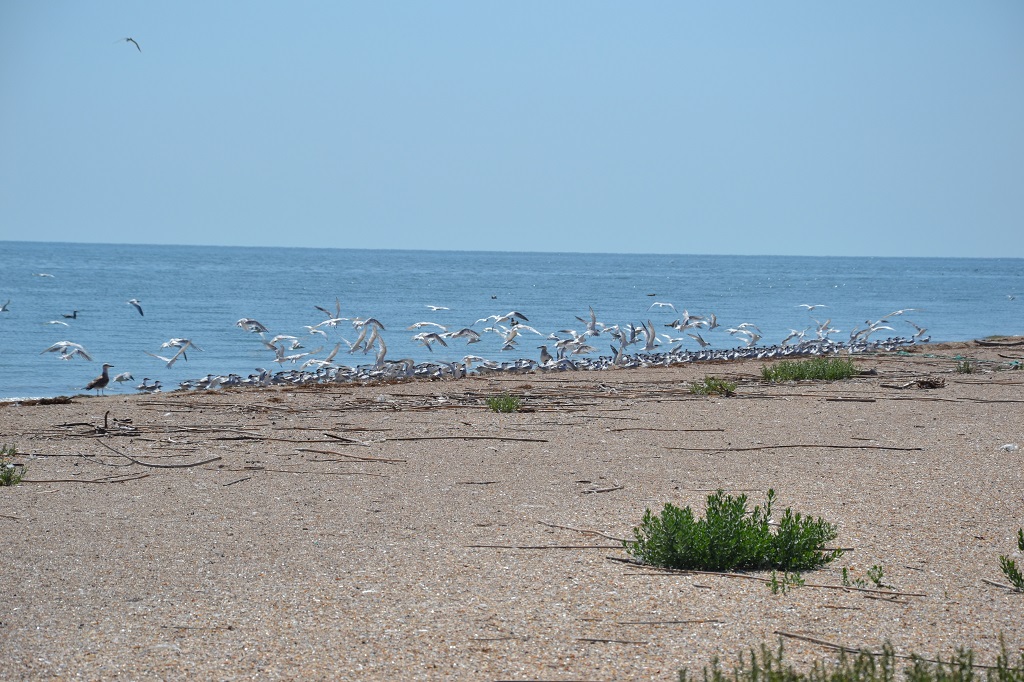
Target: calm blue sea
[200,293]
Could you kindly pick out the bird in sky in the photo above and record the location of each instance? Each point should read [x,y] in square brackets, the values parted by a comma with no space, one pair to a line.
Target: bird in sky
[811,307]
[138,306]
[68,350]
[132,41]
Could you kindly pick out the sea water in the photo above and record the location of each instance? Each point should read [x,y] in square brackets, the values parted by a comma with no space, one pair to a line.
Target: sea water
[200,292]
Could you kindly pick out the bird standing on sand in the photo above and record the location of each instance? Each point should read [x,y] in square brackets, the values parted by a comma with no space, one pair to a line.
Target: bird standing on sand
[138,306]
[100,382]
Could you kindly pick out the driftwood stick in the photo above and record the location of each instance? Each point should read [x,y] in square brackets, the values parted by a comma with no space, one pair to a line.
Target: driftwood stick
[348,441]
[238,481]
[847,649]
[8,516]
[655,570]
[582,530]
[795,445]
[158,466]
[1003,585]
[545,546]
[668,622]
[525,440]
[295,471]
[602,640]
[353,457]
[640,428]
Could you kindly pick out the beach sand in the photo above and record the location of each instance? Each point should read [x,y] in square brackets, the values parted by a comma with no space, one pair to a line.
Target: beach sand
[407,531]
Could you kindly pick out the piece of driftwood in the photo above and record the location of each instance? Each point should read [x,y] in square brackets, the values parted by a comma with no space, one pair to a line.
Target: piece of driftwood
[982,342]
[356,458]
[585,531]
[524,440]
[852,650]
[924,382]
[545,546]
[602,640]
[656,570]
[795,445]
[695,621]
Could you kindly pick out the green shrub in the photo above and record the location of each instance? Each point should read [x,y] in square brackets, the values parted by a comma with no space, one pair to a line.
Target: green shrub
[10,473]
[964,366]
[1009,566]
[711,385]
[504,403]
[828,369]
[731,537]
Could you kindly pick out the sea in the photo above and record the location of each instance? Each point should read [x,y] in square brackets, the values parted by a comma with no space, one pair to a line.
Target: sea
[201,292]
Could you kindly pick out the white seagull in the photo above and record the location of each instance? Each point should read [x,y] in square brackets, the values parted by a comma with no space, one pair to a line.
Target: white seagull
[138,306]
[68,350]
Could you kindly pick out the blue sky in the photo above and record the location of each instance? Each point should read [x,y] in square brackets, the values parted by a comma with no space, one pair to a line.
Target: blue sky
[873,128]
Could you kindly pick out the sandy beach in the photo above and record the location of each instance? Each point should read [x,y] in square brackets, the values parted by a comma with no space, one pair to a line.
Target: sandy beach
[405,531]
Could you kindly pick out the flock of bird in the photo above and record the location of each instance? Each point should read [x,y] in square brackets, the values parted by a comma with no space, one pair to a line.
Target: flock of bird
[570,348]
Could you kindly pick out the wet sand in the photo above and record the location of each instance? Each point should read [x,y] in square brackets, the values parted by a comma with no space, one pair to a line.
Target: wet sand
[406,531]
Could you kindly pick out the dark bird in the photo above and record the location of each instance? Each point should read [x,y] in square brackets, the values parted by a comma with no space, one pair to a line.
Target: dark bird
[132,41]
[100,382]
[72,316]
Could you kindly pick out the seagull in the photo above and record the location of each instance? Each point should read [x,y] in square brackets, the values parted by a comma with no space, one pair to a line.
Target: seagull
[132,41]
[249,324]
[662,305]
[100,382]
[435,308]
[41,274]
[328,313]
[417,325]
[811,307]
[3,308]
[58,322]
[171,360]
[146,387]
[68,350]
[123,377]
[464,333]
[138,306]
[427,338]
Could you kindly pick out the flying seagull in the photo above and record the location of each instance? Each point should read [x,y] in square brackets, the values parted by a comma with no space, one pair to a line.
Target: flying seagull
[132,41]
[138,306]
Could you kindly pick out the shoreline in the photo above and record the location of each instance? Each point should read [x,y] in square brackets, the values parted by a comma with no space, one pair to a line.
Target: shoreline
[407,370]
[403,529]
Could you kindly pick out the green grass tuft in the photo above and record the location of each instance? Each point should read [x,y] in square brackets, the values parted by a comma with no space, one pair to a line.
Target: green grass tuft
[732,537]
[712,385]
[10,473]
[964,366]
[504,403]
[827,369]
[769,666]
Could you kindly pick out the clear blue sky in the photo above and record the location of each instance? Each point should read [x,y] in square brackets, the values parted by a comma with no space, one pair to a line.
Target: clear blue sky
[869,128]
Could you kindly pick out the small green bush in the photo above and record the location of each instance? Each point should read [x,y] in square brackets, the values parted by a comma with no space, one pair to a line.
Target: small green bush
[711,385]
[731,537]
[1009,566]
[769,666]
[827,369]
[964,366]
[504,403]
[10,473]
